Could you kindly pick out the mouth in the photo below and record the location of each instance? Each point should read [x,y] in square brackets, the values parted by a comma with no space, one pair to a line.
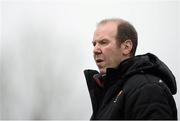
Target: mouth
[99,60]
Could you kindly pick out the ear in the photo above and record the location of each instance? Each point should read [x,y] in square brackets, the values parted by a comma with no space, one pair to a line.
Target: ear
[127,47]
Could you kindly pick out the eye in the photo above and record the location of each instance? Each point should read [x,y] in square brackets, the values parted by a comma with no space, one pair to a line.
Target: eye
[104,42]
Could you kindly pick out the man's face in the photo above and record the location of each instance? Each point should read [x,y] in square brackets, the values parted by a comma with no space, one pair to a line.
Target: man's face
[107,53]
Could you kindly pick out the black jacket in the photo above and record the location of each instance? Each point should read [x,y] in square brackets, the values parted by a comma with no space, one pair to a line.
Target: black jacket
[140,88]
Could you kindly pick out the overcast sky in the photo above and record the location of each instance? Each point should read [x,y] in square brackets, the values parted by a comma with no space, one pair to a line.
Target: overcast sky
[46,44]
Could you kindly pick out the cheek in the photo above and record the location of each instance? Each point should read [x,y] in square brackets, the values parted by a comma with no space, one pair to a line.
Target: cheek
[113,57]
[109,56]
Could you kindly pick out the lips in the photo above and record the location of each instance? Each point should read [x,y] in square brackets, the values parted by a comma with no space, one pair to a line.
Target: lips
[99,60]
[99,63]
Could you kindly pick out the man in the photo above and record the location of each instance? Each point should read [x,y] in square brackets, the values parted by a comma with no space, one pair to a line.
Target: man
[128,86]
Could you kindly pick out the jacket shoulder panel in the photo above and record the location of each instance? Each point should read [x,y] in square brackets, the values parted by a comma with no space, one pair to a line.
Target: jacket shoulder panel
[147,98]
[137,81]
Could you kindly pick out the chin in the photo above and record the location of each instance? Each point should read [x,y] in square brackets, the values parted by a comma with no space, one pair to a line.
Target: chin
[102,71]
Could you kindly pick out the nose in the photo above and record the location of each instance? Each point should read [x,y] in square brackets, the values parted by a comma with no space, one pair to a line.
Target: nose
[97,50]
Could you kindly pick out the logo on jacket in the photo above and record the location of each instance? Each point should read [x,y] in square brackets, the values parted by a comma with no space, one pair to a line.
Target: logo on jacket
[118,96]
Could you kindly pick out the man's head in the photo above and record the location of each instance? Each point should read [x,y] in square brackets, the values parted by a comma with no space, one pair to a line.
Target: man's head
[114,41]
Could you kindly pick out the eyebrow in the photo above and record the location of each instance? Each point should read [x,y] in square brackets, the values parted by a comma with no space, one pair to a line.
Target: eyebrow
[100,40]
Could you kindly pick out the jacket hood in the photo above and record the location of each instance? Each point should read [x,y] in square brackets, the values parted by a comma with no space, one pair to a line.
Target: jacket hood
[147,63]
[151,64]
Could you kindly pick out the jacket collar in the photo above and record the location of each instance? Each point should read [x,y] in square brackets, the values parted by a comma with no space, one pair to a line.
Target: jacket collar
[148,63]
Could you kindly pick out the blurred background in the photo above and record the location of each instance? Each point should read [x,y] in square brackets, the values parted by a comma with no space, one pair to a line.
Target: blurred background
[46,44]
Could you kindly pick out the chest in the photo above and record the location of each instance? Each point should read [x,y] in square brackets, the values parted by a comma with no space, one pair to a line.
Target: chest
[112,108]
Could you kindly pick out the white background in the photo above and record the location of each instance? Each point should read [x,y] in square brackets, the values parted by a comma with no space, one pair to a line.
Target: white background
[46,44]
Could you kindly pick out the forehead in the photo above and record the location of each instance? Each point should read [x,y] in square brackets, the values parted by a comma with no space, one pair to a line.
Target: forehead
[105,30]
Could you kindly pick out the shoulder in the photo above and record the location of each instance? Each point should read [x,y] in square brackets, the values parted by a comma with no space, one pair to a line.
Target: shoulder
[146,83]
[142,90]
[147,97]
